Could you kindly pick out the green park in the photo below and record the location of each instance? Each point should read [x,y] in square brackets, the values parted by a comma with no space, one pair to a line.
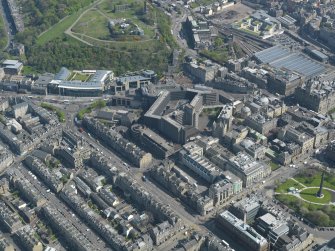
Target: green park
[123,35]
[310,195]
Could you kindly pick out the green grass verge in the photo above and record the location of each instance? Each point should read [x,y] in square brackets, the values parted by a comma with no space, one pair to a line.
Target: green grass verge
[95,105]
[283,188]
[60,114]
[218,55]
[256,34]
[201,3]
[310,195]
[28,70]
[274,166]
[3,34]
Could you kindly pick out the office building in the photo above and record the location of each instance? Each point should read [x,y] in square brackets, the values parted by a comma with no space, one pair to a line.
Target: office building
[152,141]
[249,170]
[192,156]
[246,209]
[118,143]
[242,232]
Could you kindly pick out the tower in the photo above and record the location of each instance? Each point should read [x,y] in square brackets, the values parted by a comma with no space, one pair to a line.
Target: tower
[319,193]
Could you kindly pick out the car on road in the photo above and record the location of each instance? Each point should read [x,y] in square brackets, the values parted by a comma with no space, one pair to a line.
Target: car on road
[144,178]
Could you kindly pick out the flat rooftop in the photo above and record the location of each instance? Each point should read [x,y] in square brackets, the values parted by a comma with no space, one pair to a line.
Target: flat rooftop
[283,58]
[243,228]
[100,76]
[157,139]
[10,62]
[132,78]
[78,85]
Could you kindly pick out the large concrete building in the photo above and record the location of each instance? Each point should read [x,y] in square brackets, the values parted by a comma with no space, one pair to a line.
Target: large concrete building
[201,33]
[192,156]
[271,227]
[175,114]
[283,82]
[293,62]
[152,142]
[202,72]
[248,169]
[317,95]
[12,67]
[242,232]
[73,151]
[221,191]
[118,143]
[132,81]
[261,123]
[93,86]
[246,209]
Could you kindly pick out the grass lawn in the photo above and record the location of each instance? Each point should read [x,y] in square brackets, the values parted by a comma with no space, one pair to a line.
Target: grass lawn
[310,195]
[320,215]
[291,201]
[81,77]
[59,28]
[314,181]
[219,55]
[93,24]
[212,111]
[283,188]
[107,8]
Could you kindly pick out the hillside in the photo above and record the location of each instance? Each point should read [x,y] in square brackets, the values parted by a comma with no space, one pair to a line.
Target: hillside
[75,34]
[66,51]
[40,15]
